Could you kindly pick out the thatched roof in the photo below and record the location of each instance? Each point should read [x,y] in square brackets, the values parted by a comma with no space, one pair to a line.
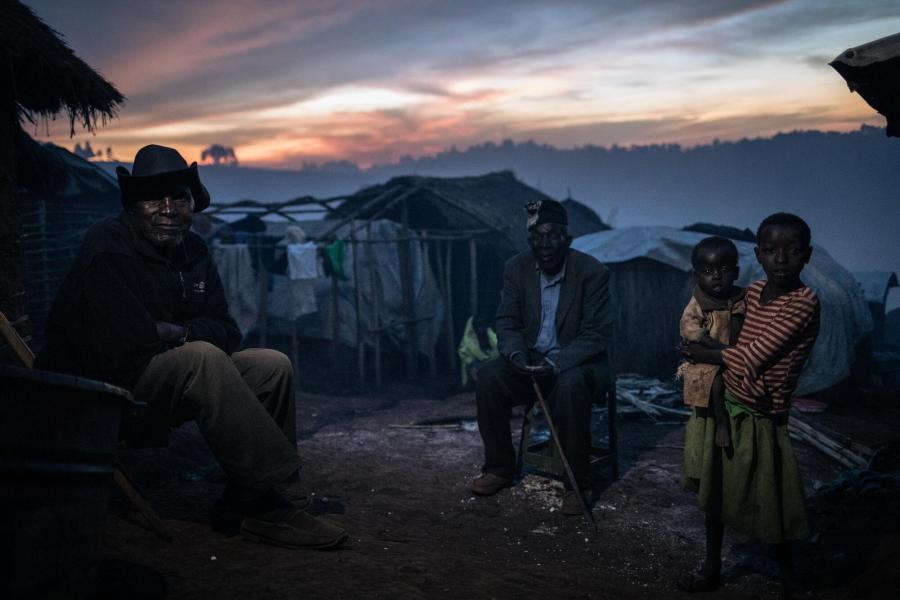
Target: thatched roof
[582,218]
[494,201]
[47,77]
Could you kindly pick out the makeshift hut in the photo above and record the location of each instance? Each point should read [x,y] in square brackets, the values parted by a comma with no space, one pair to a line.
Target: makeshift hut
[484,218]
[875,287]
[60,195]
[651,283]
[41,78]
[892,329]
[420,256]
[334,286]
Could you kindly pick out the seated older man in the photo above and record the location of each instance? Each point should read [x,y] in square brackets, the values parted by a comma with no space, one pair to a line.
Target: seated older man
[143,308]
[555,324]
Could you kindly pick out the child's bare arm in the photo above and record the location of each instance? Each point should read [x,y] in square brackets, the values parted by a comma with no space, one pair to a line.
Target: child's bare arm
[701,354]
[709,342]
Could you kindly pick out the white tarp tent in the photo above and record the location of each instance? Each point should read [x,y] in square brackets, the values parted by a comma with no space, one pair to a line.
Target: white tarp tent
[845,317]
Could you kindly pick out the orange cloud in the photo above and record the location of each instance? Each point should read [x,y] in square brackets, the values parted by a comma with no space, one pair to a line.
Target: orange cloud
[285,82]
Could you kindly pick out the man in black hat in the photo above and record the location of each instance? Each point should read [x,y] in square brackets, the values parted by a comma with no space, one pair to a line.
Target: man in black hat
[143,308]
[555,323]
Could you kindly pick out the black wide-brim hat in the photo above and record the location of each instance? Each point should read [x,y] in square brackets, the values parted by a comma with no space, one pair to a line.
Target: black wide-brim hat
[156,172]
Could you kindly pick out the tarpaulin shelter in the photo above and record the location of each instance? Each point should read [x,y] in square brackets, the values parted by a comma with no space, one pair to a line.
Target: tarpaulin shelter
[652,282]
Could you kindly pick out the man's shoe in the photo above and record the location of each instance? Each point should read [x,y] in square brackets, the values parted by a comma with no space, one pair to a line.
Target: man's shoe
[292,529]
[488,484]
[571,507]
[226,514]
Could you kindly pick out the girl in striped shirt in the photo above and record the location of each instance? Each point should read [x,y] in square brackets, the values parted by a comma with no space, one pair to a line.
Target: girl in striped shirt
[754,485]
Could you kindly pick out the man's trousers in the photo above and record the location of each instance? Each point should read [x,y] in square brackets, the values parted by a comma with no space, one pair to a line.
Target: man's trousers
[244,405]
[569,397]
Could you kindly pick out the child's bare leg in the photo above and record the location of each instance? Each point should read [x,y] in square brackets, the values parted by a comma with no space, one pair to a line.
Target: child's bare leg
[717,399]
[715,533]
[791,586]
[706,579]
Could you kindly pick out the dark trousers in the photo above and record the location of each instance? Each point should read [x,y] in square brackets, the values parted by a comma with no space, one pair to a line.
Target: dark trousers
[569,397]
[243,404]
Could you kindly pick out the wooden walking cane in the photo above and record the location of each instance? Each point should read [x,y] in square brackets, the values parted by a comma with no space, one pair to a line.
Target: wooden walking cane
[588,514]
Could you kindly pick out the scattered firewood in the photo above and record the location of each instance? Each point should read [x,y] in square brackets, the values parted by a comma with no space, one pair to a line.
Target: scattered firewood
[839,447]
[649,408]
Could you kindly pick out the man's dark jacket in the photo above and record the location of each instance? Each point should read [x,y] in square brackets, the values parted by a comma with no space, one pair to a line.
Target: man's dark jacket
[584,316]
[103,321]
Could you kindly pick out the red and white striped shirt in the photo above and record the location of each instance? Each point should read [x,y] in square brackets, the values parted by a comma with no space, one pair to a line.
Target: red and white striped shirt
[762,369]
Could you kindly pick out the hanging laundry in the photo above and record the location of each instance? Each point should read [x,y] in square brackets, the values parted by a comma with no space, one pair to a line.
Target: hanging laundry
[302,259]
[235,265]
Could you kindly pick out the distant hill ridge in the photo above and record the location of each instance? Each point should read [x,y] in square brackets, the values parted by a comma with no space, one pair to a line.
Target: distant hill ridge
[847,185]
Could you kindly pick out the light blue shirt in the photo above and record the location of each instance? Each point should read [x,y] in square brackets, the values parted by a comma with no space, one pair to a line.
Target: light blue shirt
[546,342]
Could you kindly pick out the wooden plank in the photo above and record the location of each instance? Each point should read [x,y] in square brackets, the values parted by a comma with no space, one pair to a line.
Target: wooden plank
[473,277]
[375,291]
[430,325]
[360,349]
[448,301]
[335,320]
[295,351]
[263,281]
[15,342]
[406,285]
[138,501]
[807,433]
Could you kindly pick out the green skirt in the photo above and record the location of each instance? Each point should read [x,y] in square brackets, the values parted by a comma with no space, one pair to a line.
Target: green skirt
[755,485]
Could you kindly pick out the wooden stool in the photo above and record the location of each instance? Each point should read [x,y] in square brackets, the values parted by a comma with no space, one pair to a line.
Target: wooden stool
[543,455]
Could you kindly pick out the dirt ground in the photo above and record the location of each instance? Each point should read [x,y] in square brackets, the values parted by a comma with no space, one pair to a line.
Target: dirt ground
[417,532]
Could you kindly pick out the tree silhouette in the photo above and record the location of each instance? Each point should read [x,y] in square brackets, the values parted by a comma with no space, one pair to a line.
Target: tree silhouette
[219,154]
[85,151]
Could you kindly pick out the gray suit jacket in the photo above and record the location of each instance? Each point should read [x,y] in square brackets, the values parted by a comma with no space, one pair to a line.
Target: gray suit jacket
[584,317]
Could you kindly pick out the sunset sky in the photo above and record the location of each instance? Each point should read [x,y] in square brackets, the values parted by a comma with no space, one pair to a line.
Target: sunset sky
[283,82]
